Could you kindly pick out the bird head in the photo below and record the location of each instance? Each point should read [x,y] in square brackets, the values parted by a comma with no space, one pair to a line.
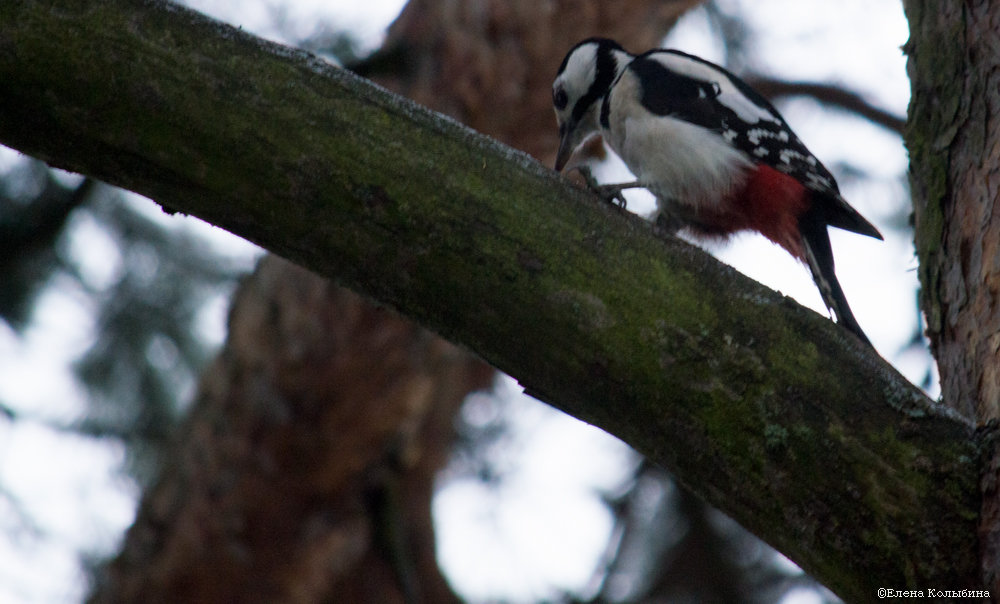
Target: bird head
[585,76]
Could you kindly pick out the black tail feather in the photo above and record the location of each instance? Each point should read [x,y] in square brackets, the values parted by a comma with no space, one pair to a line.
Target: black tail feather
[819,257]
[837,212]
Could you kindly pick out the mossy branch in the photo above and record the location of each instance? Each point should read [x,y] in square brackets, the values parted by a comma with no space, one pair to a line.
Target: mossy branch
[767,410]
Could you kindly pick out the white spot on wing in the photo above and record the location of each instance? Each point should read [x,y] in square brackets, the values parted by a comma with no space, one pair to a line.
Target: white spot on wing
[818,181]
[729,95]
[789,155]
[756,134]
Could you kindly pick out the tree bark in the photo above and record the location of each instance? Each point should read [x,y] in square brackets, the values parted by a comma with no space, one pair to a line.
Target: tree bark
[764,409]
[954,142]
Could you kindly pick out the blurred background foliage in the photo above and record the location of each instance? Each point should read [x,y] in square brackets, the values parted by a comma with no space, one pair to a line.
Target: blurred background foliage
[145,294]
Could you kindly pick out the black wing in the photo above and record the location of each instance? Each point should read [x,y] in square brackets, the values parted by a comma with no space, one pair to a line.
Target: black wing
[709,96]
[703,102]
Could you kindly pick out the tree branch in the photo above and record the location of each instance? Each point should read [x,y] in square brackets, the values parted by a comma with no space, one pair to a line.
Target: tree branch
[768,411]
[832,95]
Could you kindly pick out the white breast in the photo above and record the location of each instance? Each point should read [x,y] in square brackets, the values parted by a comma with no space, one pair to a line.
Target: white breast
[677,161]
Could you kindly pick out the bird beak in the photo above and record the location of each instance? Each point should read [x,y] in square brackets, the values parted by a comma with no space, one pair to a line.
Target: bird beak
[567,144]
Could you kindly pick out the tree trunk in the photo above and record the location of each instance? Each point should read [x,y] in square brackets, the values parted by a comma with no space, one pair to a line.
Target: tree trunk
[954,142]
[306,465]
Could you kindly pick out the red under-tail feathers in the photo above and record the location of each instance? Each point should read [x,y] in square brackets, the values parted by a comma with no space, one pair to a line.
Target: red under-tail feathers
[782,209]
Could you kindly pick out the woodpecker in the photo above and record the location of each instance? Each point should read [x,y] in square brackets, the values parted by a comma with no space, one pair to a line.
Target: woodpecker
[717,156]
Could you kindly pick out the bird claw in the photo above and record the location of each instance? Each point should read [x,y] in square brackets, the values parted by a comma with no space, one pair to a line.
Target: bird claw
[609,193]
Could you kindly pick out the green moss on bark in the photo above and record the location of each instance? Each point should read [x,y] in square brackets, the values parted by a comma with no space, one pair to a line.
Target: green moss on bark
[934,117]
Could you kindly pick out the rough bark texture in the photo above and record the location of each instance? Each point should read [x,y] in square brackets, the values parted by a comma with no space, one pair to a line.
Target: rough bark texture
[769,412]
[954,143]
[954,138]
[306,469]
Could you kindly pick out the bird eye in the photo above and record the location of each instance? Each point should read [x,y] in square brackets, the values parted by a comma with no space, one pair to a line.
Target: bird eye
[559,98]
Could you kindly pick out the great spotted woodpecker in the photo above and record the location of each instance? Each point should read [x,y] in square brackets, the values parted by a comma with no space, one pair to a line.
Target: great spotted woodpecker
[717,156]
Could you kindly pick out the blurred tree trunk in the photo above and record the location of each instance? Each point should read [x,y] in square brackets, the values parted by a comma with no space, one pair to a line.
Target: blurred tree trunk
[954,142]
[305,469]
[306,465]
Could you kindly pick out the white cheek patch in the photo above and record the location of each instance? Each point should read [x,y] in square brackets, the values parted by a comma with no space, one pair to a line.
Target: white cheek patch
[580,72]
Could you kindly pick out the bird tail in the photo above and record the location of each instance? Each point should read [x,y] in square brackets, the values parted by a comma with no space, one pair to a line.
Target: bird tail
[819,258]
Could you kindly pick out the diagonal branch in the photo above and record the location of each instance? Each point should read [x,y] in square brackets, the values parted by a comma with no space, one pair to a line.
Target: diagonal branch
[832,95]
[765,409]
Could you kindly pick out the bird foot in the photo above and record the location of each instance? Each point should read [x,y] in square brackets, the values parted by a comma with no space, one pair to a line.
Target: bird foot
[609,193]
